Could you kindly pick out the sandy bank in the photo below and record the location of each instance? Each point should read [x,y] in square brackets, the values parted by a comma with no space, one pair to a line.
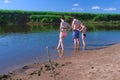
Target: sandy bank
[102,64]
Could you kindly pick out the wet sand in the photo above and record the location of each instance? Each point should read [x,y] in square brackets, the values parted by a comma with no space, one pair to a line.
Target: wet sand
[102,64]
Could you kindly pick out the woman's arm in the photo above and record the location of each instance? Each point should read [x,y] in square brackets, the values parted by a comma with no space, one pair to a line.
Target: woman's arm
[69,26]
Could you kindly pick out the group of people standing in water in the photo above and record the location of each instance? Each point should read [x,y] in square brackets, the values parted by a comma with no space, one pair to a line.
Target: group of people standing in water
[76,27]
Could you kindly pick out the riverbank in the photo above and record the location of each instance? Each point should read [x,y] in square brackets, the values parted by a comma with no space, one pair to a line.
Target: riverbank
[102,64]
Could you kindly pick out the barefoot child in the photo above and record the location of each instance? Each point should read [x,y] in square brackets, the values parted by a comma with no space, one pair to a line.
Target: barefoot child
[83,30]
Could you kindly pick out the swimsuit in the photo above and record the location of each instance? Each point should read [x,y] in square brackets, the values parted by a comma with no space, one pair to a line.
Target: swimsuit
[63,34]
[84,35]
[75,34]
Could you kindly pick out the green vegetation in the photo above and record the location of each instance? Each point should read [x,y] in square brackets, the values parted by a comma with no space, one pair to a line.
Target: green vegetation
[13,17]
[25,21]
[44,18]
[10,17]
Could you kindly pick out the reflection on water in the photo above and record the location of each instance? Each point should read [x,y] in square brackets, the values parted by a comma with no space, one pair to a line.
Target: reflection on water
[106,27]
[47,28]
[27,28]
[76,51]
[26,44]
[61,53]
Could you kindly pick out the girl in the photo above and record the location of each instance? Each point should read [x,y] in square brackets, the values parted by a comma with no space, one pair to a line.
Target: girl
[83,30]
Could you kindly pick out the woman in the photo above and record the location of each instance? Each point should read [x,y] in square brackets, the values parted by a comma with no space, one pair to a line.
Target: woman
[63,32]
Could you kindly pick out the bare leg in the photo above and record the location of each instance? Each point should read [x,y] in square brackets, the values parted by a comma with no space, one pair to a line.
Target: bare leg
[75,43]
[78,43]
[58,45]
[83,42]
[62,45]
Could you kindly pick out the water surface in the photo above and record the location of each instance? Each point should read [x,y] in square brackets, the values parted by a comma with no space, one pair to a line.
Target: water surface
[18,49]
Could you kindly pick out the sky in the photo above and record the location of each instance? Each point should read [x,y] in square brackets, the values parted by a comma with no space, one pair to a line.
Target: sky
[89,6]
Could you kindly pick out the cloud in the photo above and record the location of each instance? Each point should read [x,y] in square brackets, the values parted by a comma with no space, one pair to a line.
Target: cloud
[110,9]
[76,4]
[78,9]
[6,1]
[95,7]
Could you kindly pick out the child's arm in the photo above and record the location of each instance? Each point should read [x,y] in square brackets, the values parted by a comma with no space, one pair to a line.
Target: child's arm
[81,29]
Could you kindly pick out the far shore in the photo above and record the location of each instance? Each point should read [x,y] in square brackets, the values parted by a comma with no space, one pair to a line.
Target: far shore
[100,64]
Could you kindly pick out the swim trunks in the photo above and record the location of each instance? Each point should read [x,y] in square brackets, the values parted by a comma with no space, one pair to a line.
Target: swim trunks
[75,34]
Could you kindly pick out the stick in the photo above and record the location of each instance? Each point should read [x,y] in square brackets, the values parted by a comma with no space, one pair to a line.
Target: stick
[49,60]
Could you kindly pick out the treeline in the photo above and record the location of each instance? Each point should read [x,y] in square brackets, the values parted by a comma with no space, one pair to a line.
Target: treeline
[13,17]
[30,17]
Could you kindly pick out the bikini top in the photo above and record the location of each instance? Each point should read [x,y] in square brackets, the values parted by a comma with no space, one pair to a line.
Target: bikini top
[64,26]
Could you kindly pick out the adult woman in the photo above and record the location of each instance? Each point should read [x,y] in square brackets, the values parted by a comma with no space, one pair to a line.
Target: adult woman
[63,32]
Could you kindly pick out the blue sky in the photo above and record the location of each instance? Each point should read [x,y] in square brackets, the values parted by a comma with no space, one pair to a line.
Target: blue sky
[92,6]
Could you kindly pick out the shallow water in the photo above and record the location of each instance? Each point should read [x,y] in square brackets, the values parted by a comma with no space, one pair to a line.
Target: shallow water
[18,49]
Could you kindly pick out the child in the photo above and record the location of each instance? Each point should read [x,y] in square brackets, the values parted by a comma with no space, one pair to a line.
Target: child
[83,30]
